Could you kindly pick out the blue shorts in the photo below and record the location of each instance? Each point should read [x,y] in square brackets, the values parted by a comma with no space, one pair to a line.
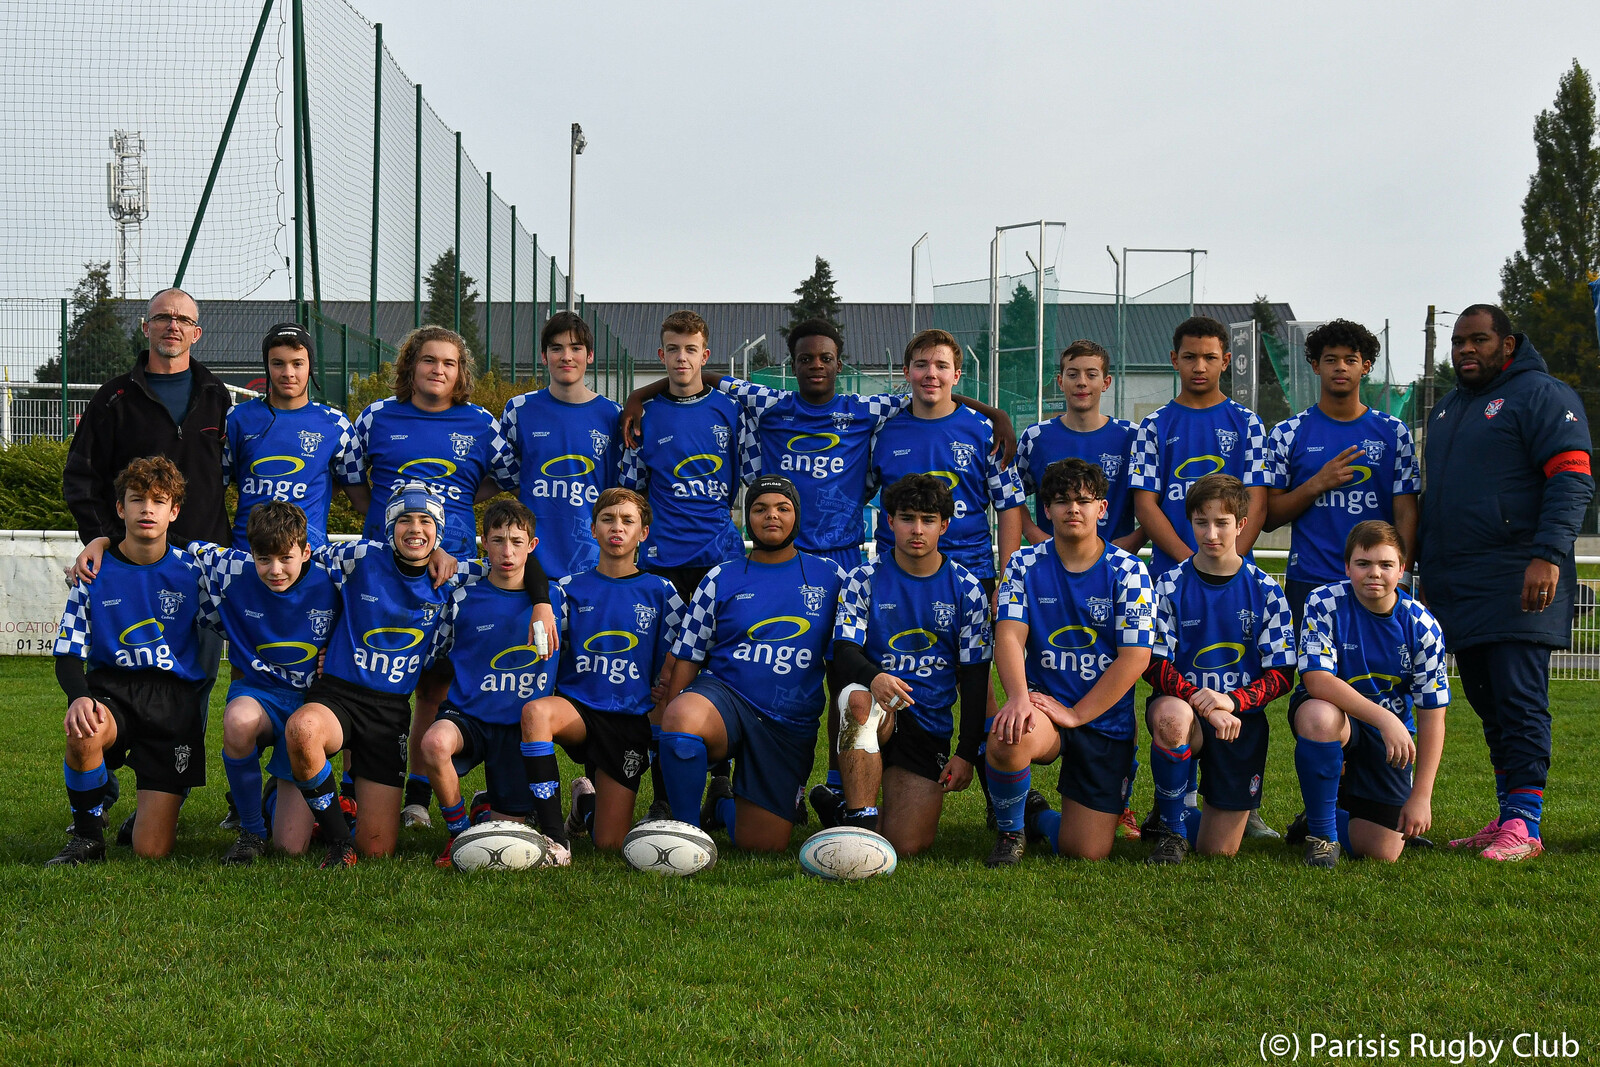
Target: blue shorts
[772,760]
[498,746]
[1231,771]
[279,704]
[1367,775]
[1094,769]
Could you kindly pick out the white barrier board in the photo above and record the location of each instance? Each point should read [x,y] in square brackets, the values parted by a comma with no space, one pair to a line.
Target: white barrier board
[32,589]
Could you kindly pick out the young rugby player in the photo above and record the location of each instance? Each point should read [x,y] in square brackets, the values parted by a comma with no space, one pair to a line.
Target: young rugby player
[1074,633]
[1338,463]
[135,627]
[1224,651]
[912,634]
[617,625]
[482,637]
[1370,707]
[565,446]
[761,628]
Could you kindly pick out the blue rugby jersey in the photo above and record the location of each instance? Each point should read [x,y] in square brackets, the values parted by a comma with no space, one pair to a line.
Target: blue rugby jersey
[1299,447]
[615,635]
[954,447]
[387,618]
[918,629]
[1223,637]
[272,454]
[274,639]
[563,457]
[1396,660]
[687,465]
[765,630]
[1108,447]
[454,451]
[137,617]
[1176,446]
[484,632]
[824,449]
[1078,622]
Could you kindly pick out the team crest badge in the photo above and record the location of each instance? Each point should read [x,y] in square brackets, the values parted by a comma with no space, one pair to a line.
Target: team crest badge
[170,602]
[721,434]
[943,615]
[963,453]
[1374,450]
[1494,407]
[461,443]
[600,442]
[180,758]
[310,441]
[632,763]
[643,616]
[813,596]
[1255,784]
[1226,440]
[1247,623]
[1111,464]
[428,612]
[1099,609]
[321,621]
[843,419]
[1405,658]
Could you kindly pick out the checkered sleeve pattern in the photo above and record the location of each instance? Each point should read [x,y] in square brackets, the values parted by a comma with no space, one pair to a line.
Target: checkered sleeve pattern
[855,604]
[560,605]
[1255,453]
[1430,677]
[1166,623]
[444,635]
[1279,444]
[1144,461]
[216,569]
[700,623]
[1014,587]
[1275,639]
[72,639]
[502,464]
[340,557]
[510,417]
[754,398]
[1005,488]
[339,465]
[227,455]
[676,612]
[634,474]
[1136,602]
[353,471]
[881,407]
[1407,475]
[976,637]
[1319,648]
[1024,463]
[747,446]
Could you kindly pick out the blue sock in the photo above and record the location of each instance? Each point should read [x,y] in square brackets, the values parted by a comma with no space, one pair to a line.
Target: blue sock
[1191,825]
[1500,788]
[683,768]
[1009,792]
[455,816]
[835,783]
[1525,803]
[726,810]
[1169,770]
[1133,772]
[655,742]
[1048,823]
[1344,835]
[244,778]
[1319,764]
[269,804]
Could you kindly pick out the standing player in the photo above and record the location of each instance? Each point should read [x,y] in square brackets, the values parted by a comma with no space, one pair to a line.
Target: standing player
[912,634]
[1076,625]
[1224,651]
[1338,463]
[136,629]
[565,448]
[617,625]
[761,628]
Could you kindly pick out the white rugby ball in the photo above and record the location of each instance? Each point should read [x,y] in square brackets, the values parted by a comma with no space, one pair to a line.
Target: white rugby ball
[667,846]
[847,854]
[499,846]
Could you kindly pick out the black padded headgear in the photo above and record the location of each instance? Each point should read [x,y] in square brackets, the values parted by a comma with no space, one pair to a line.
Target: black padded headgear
[772,483]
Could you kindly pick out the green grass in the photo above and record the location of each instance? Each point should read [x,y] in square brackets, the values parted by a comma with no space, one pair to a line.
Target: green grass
[181,961]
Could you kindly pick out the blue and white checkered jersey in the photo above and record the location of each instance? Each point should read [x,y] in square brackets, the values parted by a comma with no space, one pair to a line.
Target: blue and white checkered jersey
[1176,446]
[1396,660]
[765,629]
[455,451]
[137,617]
[825,449]
[1108,447]
[384,633]
[274,639]
[687,465]
[615,636]
[918,629]
[563,457]
[298,456]
[1223,637]
[955,447]
[1077,623]
[1299,447]
[484,633]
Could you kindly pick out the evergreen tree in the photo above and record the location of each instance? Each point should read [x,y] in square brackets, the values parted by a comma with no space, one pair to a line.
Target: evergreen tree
[97,347]
[441,307]
[815,299]
[1272,401]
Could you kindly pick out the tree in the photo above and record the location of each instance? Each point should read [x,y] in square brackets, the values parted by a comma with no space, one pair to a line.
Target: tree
[97,348]
[1543,287]
[441,309]
[815,299]
[1272,402]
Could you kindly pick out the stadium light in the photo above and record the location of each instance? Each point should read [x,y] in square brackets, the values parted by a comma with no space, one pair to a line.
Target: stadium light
[128,200]
[579,143]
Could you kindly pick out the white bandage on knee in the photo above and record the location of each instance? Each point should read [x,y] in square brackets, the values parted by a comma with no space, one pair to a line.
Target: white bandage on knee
[862,737]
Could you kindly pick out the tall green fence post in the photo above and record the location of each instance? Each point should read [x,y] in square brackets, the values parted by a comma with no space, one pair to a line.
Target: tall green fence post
[488,272]
[311,173]
[377,156]
[416,227]
[66,414]
[299,194]
[513,294]
[456,249]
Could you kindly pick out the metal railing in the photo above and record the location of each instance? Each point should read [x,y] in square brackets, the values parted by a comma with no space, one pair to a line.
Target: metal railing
[28,412]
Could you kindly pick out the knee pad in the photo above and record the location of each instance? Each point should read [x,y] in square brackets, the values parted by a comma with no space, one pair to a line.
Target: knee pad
[861,737]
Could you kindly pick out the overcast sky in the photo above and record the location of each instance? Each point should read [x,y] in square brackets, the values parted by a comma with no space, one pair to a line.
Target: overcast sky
[1357,160]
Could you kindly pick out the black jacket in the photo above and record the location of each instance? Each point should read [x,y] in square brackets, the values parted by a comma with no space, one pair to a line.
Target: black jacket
[124,421]
[1488,507]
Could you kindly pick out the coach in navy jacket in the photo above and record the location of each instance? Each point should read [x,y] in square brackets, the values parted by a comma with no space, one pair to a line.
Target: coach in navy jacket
[1508,482]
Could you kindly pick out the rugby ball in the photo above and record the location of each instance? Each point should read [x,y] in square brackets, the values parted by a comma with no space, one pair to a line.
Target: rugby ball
[500,846]
[847,854]
[667,846]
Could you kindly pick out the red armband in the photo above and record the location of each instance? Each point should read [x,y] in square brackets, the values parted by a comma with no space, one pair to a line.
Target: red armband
[1567,463]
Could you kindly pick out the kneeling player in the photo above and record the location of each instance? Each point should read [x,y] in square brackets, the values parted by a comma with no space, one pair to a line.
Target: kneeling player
[136,628]
[913,630]
[1075,629]
[761,626]
[1369,655]
[1223,653]
[482,645]
[617,624]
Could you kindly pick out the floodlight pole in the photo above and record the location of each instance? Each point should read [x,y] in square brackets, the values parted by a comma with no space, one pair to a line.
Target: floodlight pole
[915,245]
[579,143]
[994,311]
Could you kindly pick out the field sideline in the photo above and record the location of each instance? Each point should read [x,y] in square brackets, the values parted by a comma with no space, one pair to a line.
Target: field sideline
[182,961]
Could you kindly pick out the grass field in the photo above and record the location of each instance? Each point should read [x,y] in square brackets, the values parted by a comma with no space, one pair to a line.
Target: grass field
[182,961]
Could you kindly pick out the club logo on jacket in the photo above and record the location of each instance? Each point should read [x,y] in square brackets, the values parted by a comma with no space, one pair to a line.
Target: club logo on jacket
[721,434]
[1111,464]
[963,453]
[321,621]
[843,419]
[170,603]
[1374,450]
[1494,407]
[643,616]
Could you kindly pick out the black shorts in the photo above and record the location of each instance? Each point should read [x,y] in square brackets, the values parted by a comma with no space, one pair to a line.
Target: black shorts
[375,725]
[161,727]
[1231,771]
[1367,782]
[616,743]
[1094,769]
[498,746]
[911,748]
[684,579]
